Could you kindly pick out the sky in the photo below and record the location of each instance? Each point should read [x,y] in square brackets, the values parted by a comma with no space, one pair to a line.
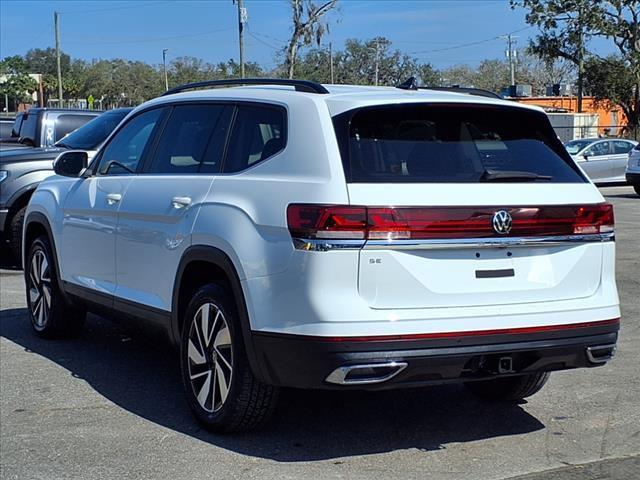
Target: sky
[442,32]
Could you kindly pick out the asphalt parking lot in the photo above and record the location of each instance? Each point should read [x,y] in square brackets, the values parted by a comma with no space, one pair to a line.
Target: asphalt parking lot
[110,405]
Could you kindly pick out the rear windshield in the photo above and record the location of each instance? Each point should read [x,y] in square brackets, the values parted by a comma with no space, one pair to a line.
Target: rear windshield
[450,143]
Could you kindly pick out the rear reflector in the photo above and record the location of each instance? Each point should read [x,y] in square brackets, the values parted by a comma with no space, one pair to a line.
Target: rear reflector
[400,223]
[475,333]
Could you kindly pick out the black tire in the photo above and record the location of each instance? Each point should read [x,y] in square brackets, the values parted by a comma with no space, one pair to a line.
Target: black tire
[14,233]
[637,188]
[248,403]
[509,389]
[50,315]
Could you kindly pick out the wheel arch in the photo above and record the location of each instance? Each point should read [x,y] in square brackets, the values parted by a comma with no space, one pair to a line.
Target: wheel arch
[18,200]
[202,264]
[36,224]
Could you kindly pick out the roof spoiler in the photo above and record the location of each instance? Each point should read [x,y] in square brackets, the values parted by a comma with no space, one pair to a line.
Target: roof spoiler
[411,84]
[299,85]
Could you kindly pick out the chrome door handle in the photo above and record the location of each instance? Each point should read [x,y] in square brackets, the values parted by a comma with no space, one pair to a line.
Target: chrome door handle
[180,202]
[113,198]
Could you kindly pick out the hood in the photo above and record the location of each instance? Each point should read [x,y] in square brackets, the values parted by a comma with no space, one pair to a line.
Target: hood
[29,154]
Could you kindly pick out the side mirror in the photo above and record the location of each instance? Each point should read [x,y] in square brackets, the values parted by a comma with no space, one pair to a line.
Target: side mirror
[586,157]
[71,163]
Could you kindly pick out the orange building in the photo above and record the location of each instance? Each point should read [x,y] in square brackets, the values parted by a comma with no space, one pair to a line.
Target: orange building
[611,118]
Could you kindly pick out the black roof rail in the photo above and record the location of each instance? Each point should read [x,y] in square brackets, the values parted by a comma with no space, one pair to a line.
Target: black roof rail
[411,84]
[299,85]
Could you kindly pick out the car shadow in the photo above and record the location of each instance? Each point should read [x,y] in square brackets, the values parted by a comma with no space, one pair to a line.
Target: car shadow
[141,375]
[7,261]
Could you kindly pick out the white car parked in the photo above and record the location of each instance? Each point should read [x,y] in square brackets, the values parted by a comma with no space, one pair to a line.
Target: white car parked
[287,233]
[633,169]
[603,160]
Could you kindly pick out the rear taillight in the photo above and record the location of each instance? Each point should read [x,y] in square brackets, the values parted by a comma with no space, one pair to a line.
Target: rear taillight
[406,223]
[327,221]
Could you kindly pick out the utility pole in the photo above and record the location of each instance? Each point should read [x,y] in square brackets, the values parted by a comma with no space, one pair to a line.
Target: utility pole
[242,19]
[56,21]
[377,60]
[41,91]
[164,68]
[511,55]
[580,54]
[331,62]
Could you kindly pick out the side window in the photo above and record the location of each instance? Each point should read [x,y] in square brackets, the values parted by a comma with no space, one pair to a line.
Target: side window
[620,147]
[192,140]
[68,123]
[124,151]
[258,133]
[598,149]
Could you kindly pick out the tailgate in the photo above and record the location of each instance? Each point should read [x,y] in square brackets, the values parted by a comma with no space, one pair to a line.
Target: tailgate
[449,254]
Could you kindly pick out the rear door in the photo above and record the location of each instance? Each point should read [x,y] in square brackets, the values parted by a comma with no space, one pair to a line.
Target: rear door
[161,204]
[460,201]
[619,159]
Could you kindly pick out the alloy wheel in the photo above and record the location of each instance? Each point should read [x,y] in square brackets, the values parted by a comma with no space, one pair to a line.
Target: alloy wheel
[210,357]
[40,289]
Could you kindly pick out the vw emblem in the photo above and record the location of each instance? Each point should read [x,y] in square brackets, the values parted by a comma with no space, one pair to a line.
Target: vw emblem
[502,222]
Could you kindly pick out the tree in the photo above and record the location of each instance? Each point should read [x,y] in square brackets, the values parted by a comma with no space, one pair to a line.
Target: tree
[429,76]
[462,75]
[15,81]
[567,25]
[308,27]
[611,82]
[563,25]
[43,61]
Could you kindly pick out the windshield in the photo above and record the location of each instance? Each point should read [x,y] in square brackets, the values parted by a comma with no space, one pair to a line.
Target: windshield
[93,133]
[451,143]
[574,146]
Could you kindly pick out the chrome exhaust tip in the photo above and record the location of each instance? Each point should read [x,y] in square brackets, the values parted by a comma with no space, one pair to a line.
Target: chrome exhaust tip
[365,374]
[601,353]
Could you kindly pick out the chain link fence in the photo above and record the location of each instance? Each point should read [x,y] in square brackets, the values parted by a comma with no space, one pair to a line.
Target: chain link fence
[568,133]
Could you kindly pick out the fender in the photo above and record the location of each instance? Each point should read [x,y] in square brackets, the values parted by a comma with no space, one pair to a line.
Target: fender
[220,259]
[27,189]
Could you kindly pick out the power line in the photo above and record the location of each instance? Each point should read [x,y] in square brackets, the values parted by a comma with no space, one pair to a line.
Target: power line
[469,44]
[252,35]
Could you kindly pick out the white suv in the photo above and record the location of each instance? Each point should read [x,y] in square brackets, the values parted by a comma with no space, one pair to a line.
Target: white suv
[290,234]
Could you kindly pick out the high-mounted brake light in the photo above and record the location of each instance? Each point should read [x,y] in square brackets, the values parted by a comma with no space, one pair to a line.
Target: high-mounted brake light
[341,222]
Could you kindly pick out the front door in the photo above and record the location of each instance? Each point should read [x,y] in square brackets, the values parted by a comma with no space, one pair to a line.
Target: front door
[87,246]
[597,162]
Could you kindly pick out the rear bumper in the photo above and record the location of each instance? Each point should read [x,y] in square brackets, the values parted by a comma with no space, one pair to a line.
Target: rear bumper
[633,178]
[307,362]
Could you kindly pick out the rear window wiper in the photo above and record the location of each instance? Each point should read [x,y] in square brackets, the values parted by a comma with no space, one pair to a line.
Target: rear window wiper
[490,175]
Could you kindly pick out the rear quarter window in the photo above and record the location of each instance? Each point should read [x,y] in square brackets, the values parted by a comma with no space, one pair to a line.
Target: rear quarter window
[259,132]
[450,143]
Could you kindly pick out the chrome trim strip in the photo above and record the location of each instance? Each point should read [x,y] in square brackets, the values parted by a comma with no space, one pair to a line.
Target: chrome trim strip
[339,375]
[324,245]
[602,359]
[502,242]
